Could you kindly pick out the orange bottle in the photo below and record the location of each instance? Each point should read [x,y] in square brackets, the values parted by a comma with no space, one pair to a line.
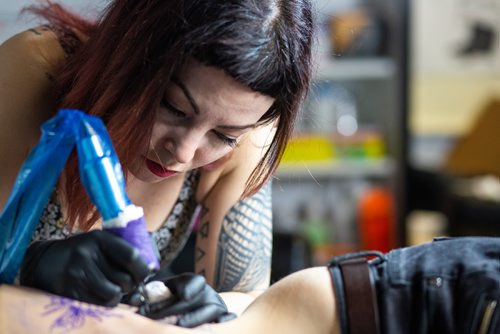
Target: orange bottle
[376,220]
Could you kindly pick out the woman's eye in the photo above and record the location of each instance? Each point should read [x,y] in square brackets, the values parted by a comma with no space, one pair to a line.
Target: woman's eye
[226,140]
[171,109]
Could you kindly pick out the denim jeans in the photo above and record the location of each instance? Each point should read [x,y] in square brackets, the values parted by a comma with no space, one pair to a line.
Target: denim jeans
[450,285]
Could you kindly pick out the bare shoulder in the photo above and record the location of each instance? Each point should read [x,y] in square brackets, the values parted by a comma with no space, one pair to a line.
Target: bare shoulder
[27,62]
[38,45]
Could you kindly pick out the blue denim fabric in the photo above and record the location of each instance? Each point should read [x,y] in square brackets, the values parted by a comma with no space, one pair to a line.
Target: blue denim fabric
[450,285]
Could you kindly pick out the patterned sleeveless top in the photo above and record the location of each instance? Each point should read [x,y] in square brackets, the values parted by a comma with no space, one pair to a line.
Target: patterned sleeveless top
[170,237]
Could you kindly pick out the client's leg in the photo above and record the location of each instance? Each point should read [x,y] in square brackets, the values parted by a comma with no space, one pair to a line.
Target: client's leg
[300,303]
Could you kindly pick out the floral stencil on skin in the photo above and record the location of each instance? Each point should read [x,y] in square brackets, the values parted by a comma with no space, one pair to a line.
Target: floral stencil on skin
[73,314]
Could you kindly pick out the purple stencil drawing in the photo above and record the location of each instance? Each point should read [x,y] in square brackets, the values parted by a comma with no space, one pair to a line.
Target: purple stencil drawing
[73,313]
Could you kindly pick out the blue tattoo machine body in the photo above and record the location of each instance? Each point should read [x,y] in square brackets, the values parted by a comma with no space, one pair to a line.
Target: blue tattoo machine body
[101,175]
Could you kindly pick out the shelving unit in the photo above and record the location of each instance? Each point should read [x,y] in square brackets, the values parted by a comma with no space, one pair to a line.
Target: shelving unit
[355,69]
[338,169]
[330,191]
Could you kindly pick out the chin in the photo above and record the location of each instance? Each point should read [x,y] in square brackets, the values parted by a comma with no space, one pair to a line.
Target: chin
[144,175]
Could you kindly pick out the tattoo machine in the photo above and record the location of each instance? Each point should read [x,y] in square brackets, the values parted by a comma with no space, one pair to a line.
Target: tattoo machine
[102,178]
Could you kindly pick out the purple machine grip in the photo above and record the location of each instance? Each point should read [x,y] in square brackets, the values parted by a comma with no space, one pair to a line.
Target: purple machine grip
[136,234]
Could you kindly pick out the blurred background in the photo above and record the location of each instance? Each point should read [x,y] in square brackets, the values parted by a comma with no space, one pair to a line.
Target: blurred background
[398,141]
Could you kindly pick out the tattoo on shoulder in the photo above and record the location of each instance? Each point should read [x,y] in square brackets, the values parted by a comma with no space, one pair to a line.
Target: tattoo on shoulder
[35,31]
[40,30]
[72,314]
[245,244]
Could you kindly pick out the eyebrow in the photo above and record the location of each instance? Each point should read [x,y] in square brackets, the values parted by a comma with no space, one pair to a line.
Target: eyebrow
[237,127]
[191,100]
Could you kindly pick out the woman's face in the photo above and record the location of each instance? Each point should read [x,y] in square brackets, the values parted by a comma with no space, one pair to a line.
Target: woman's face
[203,115]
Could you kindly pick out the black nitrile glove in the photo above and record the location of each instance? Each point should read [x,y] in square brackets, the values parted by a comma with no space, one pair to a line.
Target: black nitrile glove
[193,300]
[95,267]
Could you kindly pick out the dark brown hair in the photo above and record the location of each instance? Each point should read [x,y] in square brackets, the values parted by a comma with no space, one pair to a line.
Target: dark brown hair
[122,70]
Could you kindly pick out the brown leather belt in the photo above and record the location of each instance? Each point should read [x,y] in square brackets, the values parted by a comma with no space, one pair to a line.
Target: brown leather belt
[360,297]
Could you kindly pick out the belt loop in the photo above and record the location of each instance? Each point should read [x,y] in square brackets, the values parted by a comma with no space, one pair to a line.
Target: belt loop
[360,297]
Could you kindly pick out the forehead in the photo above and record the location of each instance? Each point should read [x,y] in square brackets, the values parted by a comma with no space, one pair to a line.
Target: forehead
[211,87]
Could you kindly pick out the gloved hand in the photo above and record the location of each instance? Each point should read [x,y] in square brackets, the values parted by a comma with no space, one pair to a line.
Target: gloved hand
[193,300]
[96,267]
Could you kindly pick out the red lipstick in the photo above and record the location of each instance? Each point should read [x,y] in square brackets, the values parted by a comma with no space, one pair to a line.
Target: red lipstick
[158,169]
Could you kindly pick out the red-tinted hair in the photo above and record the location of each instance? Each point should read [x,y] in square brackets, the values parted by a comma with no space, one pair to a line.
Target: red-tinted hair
[121,71]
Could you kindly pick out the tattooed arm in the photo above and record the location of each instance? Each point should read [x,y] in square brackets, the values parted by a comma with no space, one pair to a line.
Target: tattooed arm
[245,245]
[243,253]
[234,241]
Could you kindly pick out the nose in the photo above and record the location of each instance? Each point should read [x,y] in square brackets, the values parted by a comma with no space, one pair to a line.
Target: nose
[183,147]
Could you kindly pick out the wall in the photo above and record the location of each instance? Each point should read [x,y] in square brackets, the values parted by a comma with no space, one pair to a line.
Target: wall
[455,68]
[12,22]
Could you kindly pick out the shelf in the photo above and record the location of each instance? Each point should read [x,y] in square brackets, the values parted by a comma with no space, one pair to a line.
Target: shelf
[355,69]
[355,168]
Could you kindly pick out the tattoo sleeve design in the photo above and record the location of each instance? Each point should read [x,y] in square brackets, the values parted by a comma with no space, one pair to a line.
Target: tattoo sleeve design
[245,243]
[200,254]
[204,224]
[72,314]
